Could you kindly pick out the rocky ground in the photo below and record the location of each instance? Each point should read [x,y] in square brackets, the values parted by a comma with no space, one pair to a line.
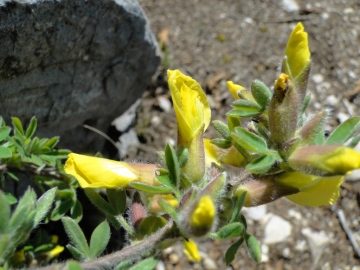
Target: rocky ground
[215,41]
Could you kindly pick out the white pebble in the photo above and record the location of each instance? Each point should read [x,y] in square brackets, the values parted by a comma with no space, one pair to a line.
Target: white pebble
[332,101]
[209,264]
[294,214]
[164,104]
[318,78]
[290,5]
[277,230]
[160,265]
[264,253]
[342,117]
[255,213]
[317,242]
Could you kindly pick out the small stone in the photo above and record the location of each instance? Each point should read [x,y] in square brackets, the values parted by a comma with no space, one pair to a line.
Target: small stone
[353,176]
[264,253]
[164,104]
[209,264]
[348,10]
[249,20]
[255,213]
[126,140]
[277,230]
[318,78]
[160,265]
[290,5]
[301,246]
[294,214]
[155,120]
[342,117]
[317,242]
[286,253]
[174,258]
[332,101]
[127,119]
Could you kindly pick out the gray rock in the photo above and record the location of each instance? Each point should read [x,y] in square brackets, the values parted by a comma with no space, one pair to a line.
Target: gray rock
[74,62]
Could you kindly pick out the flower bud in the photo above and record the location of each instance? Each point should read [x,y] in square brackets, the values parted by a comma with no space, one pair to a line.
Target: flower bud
[283,111]
[167,198]
[191,251]
[262,190]
[138,213]
[325,159]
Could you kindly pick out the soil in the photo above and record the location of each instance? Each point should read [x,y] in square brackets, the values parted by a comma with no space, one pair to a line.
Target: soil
[214,41]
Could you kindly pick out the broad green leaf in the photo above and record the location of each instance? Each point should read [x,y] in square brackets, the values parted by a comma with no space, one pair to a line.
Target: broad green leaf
[243,112]
[253,247]
[147,264]
[31,128]
[51,143]
[183,155]
[73,265]
[18,128]
[77,254]
[261,164]
[169,209]
[230,230]
[117,199]
[354,141]
[221,143]
[76,211]
[61,208]
[76,235]
[250,141]
[99,239]
[150,224]
[232,250]
[4,214]
[344,131]
[43,205]
[151,189]
[222,129]
[261,93]
[237,208]
[172,164]
[34,160]
[23,209]
[50,160]
[164,179]
[124,265]
[5,152]
[11,199]
[233,122]
[4,132]
[99,202]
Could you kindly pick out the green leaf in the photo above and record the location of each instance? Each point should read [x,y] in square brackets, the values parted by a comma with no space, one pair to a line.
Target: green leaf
[5,152]
[344,131]
[76,211]
[11,199]
[51,143]
[73,265]
[222,129]
[250,141]
[99,202]
[76,236]
[4,133]
[233,122]
[261,93]
[77,254]
[232,250]
[151,189]
[117,199]
[306,103]
[230,230]
[169,210]
[50,160]
[31,128]
[237,208]
[150,224]
[244,108]
[61,208]
[183,155]
[34,160]
[253,247]
[23,209]
[147,264]
[221,143]
[19,131]
[99,239]
[354,141]
[124,265]
[4,214]
[43,205]
[261,164]
[164,179]
[172,164]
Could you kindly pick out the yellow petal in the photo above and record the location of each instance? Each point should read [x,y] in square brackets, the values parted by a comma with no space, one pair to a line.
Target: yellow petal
[314,190]
[203,214]
[94,172]
[190,103]
[191,251]
[343,160]
[55,251]
[297,50]
[211,155]
[234,89]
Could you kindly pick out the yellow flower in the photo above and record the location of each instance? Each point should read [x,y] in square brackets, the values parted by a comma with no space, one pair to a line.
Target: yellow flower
[219,156]
[314,190]
[191,251]
[167,198]
[329,159]
[190,103]
[55,252]
[203,214]
[94,172]
[234,89]
[297,50]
